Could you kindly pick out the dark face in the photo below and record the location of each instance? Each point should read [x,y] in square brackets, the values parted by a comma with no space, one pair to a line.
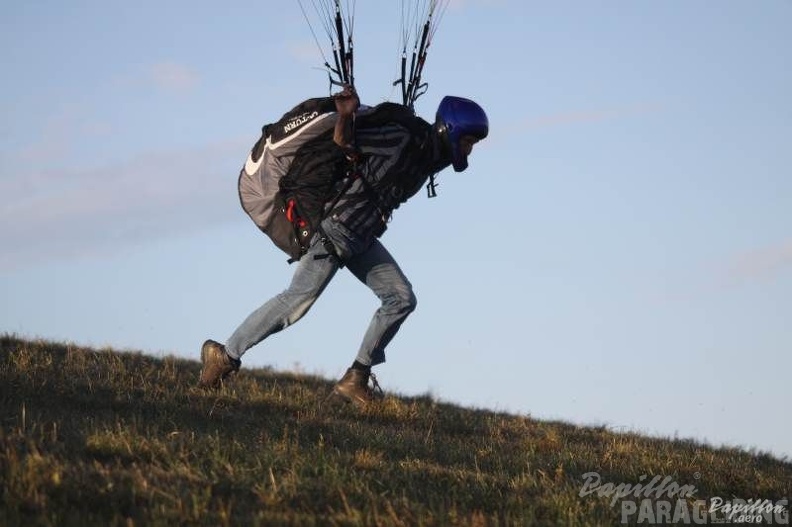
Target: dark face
[466,143]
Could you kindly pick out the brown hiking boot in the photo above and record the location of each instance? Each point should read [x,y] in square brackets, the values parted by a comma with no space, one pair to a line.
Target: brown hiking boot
[217,364]
[353,388]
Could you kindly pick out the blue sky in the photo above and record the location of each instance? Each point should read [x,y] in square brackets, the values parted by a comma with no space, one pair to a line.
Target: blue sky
[619,252]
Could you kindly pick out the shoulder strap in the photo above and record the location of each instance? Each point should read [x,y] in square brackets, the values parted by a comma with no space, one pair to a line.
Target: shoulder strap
[389,112]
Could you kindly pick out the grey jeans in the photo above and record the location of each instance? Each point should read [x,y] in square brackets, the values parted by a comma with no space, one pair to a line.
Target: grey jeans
[374,266]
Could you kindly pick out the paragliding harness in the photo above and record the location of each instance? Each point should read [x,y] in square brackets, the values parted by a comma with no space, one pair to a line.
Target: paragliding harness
[295,174]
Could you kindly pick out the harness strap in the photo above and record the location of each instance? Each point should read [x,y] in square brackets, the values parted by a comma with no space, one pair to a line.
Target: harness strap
[431,187]
[329,247]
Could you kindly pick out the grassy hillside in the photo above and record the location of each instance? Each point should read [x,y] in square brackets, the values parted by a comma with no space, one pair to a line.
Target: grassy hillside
[106,438]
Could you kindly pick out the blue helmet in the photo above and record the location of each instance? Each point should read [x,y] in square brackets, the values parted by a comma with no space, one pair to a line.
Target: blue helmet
[457,117]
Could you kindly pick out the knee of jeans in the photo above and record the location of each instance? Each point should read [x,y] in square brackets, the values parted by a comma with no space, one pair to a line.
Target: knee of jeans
[294,306]
[298,312]
[412,302]
[402,301]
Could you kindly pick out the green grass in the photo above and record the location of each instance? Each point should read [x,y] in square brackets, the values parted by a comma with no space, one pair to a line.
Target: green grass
[98,437]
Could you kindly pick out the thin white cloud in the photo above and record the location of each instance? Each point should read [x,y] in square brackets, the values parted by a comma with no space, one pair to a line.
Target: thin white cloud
[522,125]
[591,116]
[707,278]
[305,51]
[172,77]
[65,126]
[72,212]
[164,76]
[764,263]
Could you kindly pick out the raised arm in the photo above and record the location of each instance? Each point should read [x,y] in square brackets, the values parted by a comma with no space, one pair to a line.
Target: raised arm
[347,102]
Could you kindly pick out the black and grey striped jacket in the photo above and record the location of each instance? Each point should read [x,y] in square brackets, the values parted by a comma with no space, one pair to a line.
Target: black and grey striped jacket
[399,153]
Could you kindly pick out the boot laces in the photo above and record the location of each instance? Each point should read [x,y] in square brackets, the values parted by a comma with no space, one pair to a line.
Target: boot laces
[376,389]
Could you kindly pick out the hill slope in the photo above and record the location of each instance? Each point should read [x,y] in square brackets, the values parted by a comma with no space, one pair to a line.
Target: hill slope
[106,438]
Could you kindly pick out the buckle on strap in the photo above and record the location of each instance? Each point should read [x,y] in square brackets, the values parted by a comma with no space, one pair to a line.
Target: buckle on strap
[329,247]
